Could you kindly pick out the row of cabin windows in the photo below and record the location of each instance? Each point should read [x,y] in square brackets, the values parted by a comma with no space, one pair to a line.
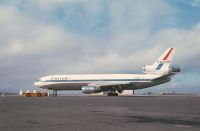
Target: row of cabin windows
[59,78]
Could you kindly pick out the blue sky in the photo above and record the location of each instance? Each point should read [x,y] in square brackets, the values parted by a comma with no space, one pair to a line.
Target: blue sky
[46,37]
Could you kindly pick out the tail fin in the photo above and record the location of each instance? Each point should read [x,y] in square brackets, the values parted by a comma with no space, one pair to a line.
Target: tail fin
[162,65]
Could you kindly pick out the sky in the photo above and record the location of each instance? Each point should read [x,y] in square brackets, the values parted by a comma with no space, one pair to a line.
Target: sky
[45,37]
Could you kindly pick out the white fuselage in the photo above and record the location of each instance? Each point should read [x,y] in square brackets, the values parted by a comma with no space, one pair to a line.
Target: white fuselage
[76,82]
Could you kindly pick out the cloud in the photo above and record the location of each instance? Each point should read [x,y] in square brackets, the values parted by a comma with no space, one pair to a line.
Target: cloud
[193,3]
[139,15]
[186,43]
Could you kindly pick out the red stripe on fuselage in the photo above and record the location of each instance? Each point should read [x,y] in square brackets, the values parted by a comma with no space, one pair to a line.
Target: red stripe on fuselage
[168,54]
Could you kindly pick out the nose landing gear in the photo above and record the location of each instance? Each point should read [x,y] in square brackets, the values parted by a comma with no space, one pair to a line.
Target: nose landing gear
[55,93]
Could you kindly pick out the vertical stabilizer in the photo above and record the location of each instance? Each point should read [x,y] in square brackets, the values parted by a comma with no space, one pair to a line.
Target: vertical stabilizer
[161,65]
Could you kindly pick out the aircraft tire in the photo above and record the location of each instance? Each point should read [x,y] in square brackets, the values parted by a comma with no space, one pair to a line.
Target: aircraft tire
[112,94]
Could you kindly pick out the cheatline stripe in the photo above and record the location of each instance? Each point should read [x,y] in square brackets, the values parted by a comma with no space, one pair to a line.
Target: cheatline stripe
[96,80]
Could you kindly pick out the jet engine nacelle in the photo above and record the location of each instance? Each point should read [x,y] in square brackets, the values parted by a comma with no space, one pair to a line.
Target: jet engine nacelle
[175,69]
[150,70]
[90,89]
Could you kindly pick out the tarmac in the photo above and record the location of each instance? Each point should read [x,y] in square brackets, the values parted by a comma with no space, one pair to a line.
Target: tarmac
[100,113]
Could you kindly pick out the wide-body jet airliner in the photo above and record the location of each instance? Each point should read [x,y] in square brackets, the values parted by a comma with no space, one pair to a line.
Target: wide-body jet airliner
[161,71]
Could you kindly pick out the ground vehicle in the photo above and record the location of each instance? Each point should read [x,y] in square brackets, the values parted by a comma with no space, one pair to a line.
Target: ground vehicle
[29,93]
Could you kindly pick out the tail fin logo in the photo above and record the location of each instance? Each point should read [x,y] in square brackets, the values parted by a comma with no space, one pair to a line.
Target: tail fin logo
[167,55]
[164,59]
[159,66]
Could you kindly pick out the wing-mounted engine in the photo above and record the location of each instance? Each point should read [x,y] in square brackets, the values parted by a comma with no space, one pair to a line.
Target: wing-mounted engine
[90,89]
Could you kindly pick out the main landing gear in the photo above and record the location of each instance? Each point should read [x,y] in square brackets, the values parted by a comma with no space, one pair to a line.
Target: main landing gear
[113,93]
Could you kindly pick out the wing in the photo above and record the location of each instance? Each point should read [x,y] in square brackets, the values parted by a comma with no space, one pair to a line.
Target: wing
[128,85]
[105,86]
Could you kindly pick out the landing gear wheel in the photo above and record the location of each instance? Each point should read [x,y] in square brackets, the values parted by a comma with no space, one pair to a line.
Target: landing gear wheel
[112,94]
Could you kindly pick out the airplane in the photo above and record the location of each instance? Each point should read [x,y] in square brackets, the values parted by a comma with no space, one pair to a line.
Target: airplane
[160,72]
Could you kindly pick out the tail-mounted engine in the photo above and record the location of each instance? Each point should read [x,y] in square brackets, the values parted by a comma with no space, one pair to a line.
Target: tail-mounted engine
[149,69]
[175,69]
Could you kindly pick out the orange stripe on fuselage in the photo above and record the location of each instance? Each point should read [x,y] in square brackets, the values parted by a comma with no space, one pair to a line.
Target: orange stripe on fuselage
[168,54]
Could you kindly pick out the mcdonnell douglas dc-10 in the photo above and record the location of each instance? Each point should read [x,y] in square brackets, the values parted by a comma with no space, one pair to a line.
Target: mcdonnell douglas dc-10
[161,71]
